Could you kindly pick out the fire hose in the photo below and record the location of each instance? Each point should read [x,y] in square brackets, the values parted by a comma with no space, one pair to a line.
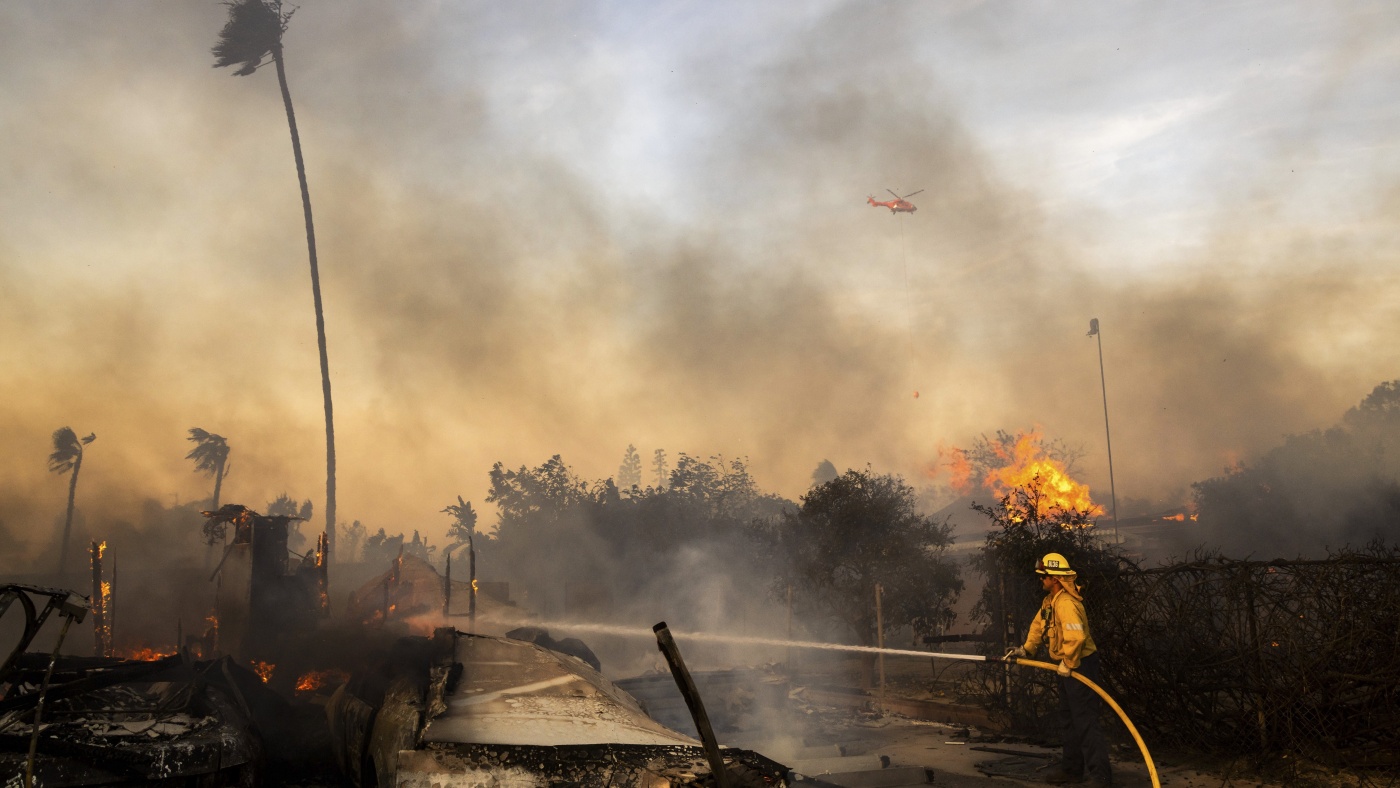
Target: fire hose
[1031,663]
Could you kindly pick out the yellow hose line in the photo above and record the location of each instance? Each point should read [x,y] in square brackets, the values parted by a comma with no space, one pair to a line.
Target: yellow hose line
[1146,756]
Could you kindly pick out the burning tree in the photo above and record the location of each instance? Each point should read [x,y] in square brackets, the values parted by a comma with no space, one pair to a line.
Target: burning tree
[1040,509]
[854,531]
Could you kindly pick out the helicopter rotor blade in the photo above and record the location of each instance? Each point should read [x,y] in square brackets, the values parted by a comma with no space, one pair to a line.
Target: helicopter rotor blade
[896,196]
[910,194]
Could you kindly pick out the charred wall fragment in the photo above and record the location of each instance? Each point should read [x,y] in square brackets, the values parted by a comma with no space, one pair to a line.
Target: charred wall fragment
[262,601]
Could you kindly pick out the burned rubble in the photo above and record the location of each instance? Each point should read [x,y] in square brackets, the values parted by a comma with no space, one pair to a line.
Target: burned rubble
[403,689]
[275,693]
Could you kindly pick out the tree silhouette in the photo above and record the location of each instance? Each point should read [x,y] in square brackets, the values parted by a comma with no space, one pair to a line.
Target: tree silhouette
[658,468]
[286,506]
[463,527]
[68,456]
[629,473]
[252,34]
[854,531]
[210,455]
[824,473]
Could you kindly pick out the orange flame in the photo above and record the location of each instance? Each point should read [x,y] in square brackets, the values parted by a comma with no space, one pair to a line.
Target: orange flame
[263,669]
[960,471]
[958,466]
[316,679]
[106,611]
[147,654]
[1030,469]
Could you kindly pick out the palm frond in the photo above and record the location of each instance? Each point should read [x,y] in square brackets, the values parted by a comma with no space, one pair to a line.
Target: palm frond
[210,451]
[66,450]
[254,29]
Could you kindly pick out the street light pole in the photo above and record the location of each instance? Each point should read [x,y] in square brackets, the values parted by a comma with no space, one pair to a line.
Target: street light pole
[1108,436]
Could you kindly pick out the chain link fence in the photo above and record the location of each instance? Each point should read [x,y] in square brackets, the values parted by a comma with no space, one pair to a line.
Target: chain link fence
[1235,657]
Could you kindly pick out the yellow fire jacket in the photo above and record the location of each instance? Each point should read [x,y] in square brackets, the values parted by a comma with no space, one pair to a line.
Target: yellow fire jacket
[1062,624]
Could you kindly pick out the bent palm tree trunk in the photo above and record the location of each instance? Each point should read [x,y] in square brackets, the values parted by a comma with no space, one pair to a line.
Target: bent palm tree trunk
[67,457]
[254,31]
[68,520]
[316,298]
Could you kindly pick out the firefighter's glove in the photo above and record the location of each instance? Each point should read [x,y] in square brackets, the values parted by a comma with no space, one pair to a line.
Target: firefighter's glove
[1014,653]
[1063,669]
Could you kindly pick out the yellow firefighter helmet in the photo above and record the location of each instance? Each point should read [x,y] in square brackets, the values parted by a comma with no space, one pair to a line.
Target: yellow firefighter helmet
[1053,564]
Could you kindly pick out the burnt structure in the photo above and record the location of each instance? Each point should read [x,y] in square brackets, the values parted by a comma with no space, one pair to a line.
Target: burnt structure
[459,709]
[263,599]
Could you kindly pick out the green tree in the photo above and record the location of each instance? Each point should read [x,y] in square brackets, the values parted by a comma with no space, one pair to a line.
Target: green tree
[715,489]
[210,456]
[68,456]
[659,549]
[629,474]
[252,34]
[857,530]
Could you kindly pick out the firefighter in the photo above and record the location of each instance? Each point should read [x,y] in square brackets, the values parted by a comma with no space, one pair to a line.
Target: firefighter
[1063,626]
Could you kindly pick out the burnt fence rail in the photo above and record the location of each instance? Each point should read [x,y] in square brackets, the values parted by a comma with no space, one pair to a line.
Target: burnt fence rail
[1238,657]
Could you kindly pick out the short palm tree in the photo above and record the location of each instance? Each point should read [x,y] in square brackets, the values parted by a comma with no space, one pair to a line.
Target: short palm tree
[210,455]
[253,34]
[68,456]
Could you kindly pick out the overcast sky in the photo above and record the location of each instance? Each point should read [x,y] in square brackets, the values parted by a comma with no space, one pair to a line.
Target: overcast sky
[566,227]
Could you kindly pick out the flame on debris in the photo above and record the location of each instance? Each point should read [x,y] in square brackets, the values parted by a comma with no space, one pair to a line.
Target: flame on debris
[316,679]
[106,608]
[263,669]
[147,654]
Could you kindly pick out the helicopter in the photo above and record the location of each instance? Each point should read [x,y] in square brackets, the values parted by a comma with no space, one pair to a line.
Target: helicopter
[898,204]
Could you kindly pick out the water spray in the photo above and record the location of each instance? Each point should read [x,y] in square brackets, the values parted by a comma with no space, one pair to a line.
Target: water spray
[715,637]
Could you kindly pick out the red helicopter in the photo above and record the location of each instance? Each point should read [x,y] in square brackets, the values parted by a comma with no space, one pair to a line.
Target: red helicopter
[898,204]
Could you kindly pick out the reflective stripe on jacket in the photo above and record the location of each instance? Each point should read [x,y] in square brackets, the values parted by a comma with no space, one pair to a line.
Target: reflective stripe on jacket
[1064,627]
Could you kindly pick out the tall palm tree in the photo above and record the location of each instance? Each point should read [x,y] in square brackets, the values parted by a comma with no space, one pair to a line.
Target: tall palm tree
[252,34]
[210,455]
[68,456]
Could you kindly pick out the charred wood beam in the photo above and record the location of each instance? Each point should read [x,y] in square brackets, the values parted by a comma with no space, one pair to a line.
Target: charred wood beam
[116,675]
[667,644]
